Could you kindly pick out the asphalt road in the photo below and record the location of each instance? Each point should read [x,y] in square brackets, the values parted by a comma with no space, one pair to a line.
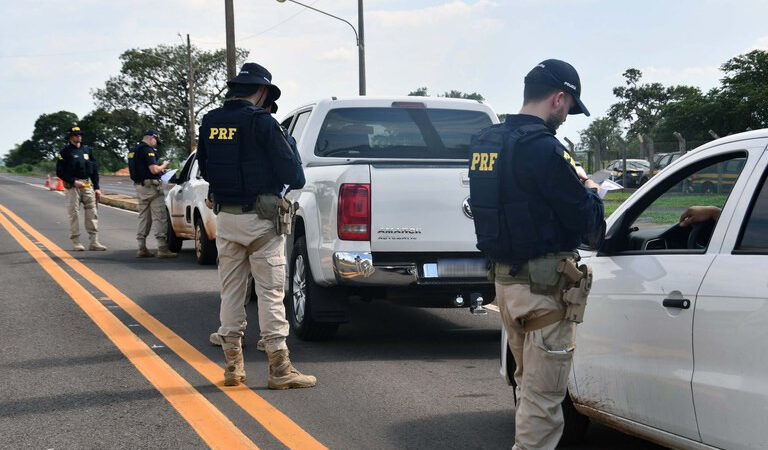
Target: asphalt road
[107,183]
[395,377]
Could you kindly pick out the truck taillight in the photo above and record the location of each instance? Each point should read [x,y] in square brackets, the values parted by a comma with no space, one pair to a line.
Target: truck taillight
[354,219]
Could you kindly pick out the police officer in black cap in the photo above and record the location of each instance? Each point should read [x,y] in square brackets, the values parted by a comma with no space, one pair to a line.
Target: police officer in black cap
[531,209]
[78,170]
[244,155]
[145,173]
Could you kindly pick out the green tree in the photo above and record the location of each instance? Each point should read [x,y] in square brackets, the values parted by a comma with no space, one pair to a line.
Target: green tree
[50,134]
[111,133]
[603,136]
[154,82]
[23,153]
[744,92]
[458,94]
[453,93]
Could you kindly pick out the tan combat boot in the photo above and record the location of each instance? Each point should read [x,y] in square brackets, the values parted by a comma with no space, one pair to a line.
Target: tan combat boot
[234,369]
[144,253]
[77,246]
[163,252]
[282,374]
[96,245]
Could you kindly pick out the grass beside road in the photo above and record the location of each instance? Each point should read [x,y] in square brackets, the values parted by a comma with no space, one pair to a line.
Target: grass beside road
[666,209]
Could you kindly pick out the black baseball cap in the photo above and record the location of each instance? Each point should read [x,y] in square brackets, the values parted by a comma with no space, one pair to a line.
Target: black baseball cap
[152,132]
[559,74]
[74,131]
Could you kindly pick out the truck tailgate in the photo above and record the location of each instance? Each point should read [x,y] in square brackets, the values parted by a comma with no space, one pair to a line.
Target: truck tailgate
[419,208]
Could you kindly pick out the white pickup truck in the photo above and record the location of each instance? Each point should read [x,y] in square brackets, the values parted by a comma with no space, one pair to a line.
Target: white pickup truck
[385,211]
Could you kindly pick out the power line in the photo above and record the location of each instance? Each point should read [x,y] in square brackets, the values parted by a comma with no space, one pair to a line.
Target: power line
[83,52]
[46,55]
[276,25]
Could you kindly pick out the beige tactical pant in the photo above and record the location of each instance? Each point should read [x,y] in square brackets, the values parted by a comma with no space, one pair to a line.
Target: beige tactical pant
[543,359]
[234,232]
[152,213]
[87,197]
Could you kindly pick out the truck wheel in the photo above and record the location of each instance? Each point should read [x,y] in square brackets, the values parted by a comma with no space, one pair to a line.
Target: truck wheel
[174,242]
[303,293]
[205,249]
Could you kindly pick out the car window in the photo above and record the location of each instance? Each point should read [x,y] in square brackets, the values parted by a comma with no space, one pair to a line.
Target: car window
[399,132]
[184,173]
[654,227]
[298,127]
[287,123]
[754,237]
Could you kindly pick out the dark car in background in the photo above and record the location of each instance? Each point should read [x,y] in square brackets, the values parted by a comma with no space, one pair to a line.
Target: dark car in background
[638,171]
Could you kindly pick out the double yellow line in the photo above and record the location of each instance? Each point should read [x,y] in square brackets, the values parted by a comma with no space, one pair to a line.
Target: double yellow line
[213,427]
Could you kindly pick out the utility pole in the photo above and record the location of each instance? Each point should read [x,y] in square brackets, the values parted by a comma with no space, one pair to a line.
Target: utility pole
[191,97]
[361,47]
[229,13]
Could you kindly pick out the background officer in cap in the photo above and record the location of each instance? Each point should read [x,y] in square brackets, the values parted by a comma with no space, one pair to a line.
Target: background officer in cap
[146,173]
[76,166]
[244,156]
[531,209]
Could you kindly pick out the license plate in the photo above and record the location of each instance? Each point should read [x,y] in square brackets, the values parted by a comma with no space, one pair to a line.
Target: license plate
[457,268]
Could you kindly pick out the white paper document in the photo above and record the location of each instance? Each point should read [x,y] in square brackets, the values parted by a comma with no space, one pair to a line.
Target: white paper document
[167,176]
[608,185]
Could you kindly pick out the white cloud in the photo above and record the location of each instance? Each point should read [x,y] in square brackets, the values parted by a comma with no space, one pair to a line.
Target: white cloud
[430,15]
[760,44]
[338,54]
[704,77]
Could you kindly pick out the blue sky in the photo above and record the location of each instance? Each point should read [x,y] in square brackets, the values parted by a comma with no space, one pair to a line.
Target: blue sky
[53,53]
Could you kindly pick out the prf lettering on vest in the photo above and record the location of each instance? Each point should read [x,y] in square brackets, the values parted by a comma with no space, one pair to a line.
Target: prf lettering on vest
[222,134]
[484,160]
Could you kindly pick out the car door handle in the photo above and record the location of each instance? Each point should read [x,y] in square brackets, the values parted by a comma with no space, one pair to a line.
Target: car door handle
[682,303]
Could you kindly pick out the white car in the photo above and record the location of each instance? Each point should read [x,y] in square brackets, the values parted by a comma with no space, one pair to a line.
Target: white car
[673,344]
[189,218]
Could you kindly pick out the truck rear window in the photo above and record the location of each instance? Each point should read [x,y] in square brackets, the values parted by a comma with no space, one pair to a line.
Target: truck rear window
[399,133]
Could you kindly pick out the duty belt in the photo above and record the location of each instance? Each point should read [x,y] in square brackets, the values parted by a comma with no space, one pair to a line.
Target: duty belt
[86,183]
[234,208]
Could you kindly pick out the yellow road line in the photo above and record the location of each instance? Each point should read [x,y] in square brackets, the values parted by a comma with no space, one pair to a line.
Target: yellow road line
[274,421]
[213,427]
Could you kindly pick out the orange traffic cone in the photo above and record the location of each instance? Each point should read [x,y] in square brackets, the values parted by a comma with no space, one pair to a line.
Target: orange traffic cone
[59,185]
[48,181]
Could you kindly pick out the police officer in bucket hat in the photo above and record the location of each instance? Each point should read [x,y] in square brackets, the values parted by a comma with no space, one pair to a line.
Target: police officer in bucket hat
[244,155]
[531,208]
[78,169]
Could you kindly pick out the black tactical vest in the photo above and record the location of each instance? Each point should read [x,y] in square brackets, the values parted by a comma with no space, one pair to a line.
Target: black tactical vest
[79,165]
[511,226]
[237,166]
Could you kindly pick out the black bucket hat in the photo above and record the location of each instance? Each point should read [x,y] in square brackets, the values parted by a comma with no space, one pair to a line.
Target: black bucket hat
[559,74]
[74,131]
[252,74]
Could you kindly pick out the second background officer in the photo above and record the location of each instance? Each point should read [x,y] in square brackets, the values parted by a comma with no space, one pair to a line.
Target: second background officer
[246,160]
[146,173]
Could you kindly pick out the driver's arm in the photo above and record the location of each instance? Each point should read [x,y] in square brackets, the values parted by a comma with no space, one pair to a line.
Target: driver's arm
[696,214]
